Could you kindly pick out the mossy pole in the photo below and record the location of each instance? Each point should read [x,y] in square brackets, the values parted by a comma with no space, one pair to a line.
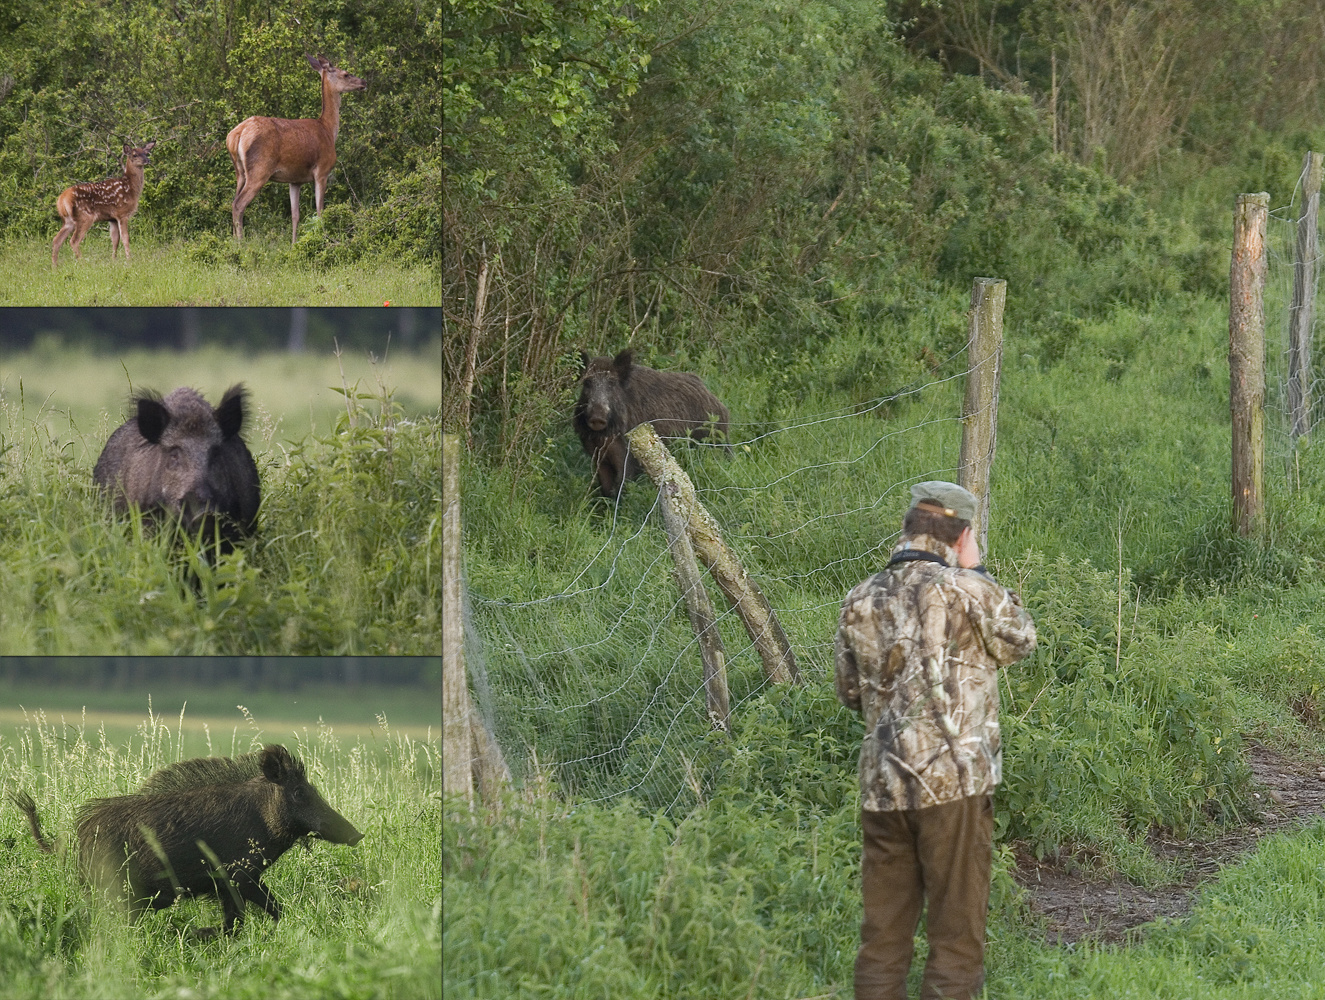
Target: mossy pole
[457,739]
[749,602]
[1301,312]
[471,758]
[1246,360]
[702,618]
[980,407]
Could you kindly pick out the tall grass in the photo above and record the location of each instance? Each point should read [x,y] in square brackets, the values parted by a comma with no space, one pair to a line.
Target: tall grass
[360,922]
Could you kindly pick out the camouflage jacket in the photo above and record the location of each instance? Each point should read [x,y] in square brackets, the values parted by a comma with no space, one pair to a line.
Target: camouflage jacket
[917,653]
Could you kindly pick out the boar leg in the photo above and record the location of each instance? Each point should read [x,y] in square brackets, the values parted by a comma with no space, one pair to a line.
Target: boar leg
[254,890]
[234,892]
[611,459]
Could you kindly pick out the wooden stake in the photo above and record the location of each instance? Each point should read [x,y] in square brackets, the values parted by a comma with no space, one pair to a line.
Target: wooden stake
[470,754]
[457,740]
[749,602]
[1246,360]
[980,408]
[702,618]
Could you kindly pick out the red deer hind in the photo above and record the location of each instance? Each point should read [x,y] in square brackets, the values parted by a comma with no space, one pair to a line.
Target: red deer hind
[292,151]
[115,200]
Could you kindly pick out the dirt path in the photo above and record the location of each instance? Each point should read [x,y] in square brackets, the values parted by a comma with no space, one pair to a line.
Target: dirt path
[1074,905]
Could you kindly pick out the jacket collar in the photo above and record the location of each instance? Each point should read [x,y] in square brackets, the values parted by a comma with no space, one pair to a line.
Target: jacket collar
[927,544]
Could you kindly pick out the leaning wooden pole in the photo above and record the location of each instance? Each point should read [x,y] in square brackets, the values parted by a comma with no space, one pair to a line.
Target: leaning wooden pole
[1301,312]
[702,618]
[1246,360]
[749,602]
[457,739]
[980,407]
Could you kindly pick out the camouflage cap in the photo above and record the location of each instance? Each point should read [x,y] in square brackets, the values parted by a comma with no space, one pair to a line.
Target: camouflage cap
[955,500]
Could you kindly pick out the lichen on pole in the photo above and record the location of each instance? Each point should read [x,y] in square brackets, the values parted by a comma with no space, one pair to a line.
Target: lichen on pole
[744,595]
[1246,360]
[457,739]
[980,406]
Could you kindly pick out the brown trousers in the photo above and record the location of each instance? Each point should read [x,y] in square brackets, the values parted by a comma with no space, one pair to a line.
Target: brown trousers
[940,855]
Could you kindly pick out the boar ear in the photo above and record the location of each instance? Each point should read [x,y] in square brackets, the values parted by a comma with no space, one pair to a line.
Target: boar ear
[230,414]
[152,418]
[622,363]
[276,763]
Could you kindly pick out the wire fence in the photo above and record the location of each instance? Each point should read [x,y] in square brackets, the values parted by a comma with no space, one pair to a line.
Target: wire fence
[1295,388]
[599,679]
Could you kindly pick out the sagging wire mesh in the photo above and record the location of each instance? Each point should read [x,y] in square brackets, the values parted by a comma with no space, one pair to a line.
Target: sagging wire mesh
[600,680]
[1294,376]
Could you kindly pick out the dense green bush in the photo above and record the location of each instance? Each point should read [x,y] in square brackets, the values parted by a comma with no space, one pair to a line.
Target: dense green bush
[83,79]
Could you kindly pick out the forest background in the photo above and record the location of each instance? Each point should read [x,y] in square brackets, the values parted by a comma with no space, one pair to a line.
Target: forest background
[791,199]
[759,176]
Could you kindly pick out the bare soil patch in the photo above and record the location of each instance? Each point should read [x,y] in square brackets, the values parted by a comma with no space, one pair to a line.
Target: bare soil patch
[1076,904]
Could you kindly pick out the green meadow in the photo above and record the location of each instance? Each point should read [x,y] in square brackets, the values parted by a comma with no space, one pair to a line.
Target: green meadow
[213,714]
[357,922]
[204,270]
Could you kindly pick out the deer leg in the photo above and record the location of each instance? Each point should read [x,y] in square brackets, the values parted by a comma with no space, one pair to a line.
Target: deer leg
[115,240]
[60,237]
[294,213]
[319,191]
[243,197]
[124,235]
[81,226]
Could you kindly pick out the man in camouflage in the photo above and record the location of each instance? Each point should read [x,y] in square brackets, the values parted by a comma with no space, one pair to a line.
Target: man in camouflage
[917,654]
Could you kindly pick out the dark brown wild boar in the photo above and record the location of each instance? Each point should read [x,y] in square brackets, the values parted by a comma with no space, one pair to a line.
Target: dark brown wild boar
[182,457]
[616,395]
[210,826]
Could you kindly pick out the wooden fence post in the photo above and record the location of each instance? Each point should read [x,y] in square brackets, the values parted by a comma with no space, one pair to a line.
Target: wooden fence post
[702,619]
[1301,312]
[457,740]
[980,407]
[470,754]
[1246,359]
[749,602]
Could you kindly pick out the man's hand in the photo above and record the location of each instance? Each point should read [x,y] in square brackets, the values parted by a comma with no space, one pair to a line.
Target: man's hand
[968,549]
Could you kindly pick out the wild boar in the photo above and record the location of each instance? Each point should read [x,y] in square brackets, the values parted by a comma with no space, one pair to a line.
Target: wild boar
[616,395]
[182,458]
[209,826]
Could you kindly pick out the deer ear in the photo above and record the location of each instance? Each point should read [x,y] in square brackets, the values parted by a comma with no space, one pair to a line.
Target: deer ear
[126,149]
[153,417]
[315,63]
[150,145]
